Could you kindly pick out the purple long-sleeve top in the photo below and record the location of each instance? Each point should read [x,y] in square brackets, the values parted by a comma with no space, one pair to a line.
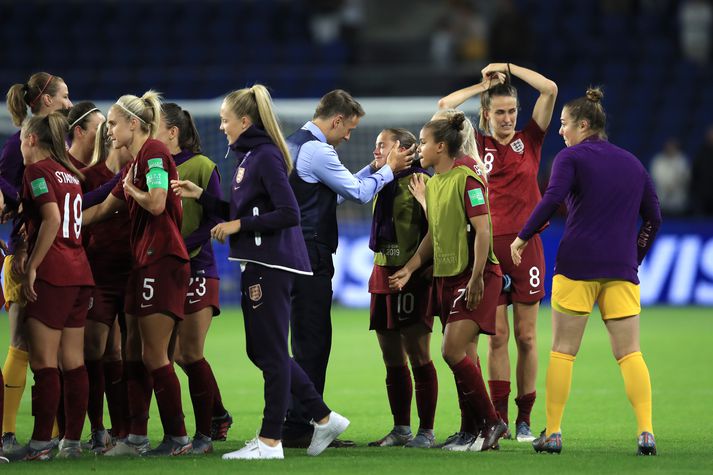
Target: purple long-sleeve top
[11,171]
[203,263]
[262,199]
[606,190]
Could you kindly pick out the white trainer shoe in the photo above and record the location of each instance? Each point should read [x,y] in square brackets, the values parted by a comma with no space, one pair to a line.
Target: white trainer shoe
[325,433]
[256,450]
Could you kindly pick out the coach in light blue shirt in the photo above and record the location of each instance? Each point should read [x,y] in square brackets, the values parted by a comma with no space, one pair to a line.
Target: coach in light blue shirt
[320,181]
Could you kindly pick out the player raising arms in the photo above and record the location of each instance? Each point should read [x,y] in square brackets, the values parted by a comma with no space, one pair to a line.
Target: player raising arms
[41,94]
[180,135]
[265,236]
[512,159]
[108,249]
[160,272]
[400,318]
[56,284]
[467,278]
[606,190]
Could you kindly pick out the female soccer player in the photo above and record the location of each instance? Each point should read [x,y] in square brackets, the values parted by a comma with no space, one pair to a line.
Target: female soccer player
[401,319]
[42,93]
[84,119]
[265,236]
[56,285]
[180,135]
[606,190]
[467,278]
[109,253]
[512,159]
[160,272]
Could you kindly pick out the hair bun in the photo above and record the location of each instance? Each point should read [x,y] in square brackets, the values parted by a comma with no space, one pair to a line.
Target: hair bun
[594,94]
[456,121]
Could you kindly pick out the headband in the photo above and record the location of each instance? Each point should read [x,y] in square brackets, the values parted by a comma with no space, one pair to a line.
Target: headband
[82,117]
[132,113]
[41,90]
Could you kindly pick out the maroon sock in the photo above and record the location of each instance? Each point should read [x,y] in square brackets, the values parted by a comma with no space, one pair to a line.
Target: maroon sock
[139,398]
[399,391]
[426,382]
[95,405]
[524,407]
[470,381]
[200,385]
[168,398]
[61,422]
[45,400]
[218,409]
[76,388]
[115,387]
[500,394]
[467,418]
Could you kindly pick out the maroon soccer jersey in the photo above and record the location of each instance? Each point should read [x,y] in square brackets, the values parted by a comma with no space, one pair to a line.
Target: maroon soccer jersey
[65,264]
[512,177]
[153,237]
[107,243]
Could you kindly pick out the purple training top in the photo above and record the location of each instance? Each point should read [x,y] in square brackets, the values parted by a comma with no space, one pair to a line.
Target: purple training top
[11,171]
[605,189]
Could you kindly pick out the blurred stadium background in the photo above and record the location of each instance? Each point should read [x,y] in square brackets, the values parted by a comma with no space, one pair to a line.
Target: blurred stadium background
[653,58]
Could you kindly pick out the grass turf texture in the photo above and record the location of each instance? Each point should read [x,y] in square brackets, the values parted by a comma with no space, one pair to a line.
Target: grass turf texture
[599,426]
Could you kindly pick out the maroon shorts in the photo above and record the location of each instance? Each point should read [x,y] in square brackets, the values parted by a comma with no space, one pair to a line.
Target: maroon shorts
[399,310]
[202,292]
[528,279]
[106,303]
[450,298]
[59,307]
[157,288]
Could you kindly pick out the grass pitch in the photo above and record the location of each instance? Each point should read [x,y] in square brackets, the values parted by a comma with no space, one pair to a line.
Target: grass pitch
[599,429]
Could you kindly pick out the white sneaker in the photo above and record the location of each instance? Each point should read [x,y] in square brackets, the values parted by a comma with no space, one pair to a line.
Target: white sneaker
[477,445]
[256,449]
[325,433]
[124,447]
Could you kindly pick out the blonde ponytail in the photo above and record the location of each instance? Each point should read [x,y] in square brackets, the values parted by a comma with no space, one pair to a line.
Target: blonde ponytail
[147,109]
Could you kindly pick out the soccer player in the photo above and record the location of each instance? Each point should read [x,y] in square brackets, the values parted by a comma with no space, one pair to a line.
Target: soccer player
[606,190]
[511,159]
[160,272]
[467,278]
[41,94]
[263,230]
[180,135]
[84,119]
[401,319]
[108,249]
[320,181]
[56,284]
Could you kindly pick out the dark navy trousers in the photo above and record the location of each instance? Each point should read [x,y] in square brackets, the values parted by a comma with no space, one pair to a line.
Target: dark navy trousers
[266,312]
[311,326]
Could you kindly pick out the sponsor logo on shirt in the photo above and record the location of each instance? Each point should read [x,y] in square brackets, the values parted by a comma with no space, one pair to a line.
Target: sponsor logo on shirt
[156,163]
[518,146]
[39,187]
[239,175]
[255,292]
[476,197]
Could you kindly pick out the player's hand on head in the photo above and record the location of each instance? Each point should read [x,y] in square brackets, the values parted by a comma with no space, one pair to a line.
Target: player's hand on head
[516,249]
[474,292]
[186,189]
[400,158]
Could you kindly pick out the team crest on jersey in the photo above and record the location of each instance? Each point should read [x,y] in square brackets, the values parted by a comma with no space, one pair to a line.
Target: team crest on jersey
[255,292]
[518,146]
[239,175]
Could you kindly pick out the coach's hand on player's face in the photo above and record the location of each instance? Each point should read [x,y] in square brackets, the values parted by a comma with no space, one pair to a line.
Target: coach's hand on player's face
[221,231]
[398,279]
[186,189]
[400,158]
[516,248]
[474,292]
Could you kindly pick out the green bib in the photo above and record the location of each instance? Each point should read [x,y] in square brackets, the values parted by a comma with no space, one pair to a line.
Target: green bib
[409,223]
[448,223]
[197,169]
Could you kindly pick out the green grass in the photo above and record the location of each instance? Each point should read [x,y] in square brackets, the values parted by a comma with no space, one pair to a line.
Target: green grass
[599,426]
